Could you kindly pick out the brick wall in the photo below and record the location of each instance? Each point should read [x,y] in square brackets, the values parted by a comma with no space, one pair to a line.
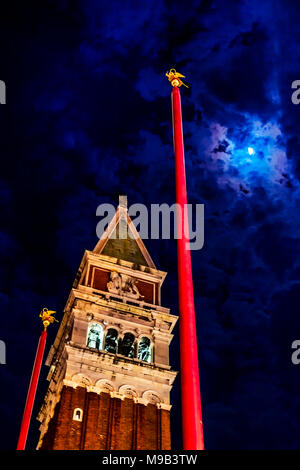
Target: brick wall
[107,424]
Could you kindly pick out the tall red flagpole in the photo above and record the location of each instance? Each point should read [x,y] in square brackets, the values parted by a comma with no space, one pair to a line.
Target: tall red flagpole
[192,427]
[47,318]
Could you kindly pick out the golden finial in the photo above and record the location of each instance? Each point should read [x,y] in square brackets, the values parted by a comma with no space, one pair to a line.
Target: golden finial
[173,77]
[47,317]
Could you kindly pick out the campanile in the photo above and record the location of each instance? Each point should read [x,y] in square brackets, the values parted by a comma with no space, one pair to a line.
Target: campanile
[109,377]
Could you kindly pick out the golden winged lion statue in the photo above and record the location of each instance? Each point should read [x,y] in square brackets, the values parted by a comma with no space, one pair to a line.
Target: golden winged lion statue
[47,317]
[175,78]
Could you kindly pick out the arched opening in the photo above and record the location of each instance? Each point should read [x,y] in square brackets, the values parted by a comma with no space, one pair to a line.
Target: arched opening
[95,336]
[77,414]
[111,341]
[145,349]
[127,345]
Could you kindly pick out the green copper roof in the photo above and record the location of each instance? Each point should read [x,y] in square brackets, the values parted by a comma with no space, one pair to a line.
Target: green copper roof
[126,249]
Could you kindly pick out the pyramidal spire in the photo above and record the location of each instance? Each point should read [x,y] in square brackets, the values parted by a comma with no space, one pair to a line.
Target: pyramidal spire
[121,239]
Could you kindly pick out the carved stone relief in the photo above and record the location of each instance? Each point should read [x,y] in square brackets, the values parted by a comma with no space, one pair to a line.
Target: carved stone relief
[122,284]
[151,397]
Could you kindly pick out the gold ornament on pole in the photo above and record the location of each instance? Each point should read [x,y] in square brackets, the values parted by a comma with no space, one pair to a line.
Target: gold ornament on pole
[174,78]
[47,317]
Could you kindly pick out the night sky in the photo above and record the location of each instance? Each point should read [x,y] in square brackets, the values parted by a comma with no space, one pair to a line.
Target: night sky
[88,117]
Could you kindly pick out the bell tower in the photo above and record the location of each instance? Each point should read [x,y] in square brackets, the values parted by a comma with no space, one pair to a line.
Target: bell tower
[110,378]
